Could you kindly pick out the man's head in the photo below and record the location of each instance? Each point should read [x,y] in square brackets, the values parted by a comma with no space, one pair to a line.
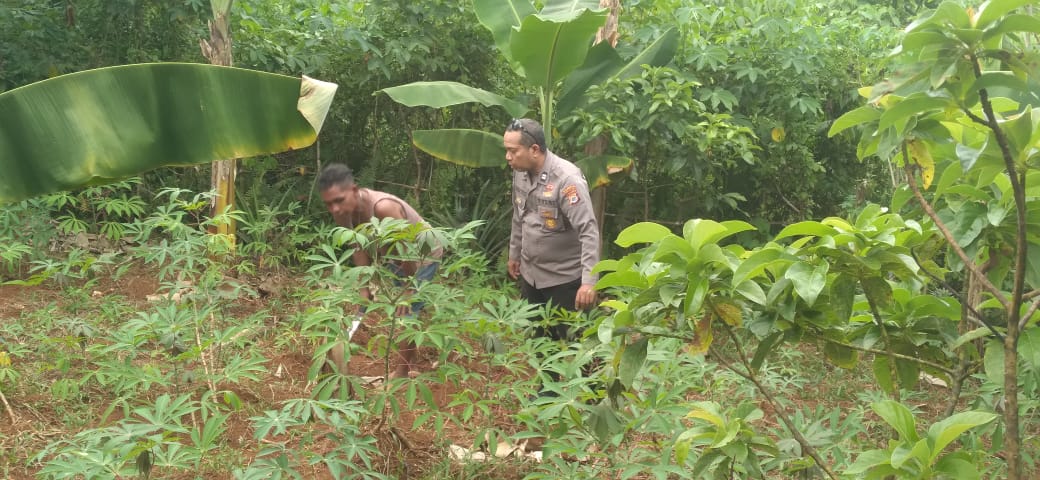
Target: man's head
[525,145]
[338,191]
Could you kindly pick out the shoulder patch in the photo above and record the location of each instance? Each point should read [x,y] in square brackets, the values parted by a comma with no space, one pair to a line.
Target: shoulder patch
[570,192]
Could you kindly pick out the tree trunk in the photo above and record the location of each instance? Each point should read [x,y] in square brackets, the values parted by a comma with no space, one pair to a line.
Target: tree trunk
[218,50]
[598,145]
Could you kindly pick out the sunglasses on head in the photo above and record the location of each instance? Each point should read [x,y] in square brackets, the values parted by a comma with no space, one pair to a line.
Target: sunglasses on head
[517,126]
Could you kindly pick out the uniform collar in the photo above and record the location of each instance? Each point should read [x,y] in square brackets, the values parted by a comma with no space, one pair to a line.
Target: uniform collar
[547,166]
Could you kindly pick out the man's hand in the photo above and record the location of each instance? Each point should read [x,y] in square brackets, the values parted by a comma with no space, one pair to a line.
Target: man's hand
[585,298]
[366,293]
[514,268]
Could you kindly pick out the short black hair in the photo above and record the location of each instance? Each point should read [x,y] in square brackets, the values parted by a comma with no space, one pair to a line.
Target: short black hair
[335,174]
[531,132]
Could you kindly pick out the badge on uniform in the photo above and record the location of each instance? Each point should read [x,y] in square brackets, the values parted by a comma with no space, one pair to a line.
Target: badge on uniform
[570,192]
[550,223]
[544,176]
[548,190]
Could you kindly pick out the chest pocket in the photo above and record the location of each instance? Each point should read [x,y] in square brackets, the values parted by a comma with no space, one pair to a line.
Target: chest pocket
[551,221]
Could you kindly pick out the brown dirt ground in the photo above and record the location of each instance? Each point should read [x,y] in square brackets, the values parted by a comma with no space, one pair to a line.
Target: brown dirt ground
[38,419]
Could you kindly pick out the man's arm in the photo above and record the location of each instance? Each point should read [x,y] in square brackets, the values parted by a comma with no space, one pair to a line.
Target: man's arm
[576,204]
[515,235]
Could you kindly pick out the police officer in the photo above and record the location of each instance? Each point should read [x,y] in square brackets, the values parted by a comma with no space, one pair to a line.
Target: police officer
[554,242]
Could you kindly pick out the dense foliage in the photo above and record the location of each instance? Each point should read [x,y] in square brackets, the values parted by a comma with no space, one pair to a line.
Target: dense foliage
[793,329]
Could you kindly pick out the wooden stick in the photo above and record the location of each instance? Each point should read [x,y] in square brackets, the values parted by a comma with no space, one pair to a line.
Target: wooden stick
[7,406]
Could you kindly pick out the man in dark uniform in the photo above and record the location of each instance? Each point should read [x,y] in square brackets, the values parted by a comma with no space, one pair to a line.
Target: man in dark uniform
[555,239]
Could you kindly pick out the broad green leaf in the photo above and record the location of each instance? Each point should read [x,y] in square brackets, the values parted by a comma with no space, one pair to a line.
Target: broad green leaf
[604,422]
[632,361]
[899,417]
[567,10]
[708,411]
[597,169]
[900,114]
[471,148]
[752,291]
[807,227]
[1033,265]
[808,280]
[603,65]
[696,291]
[959,468]
[971,336]
[852,118]
[445,94]
[993,362]
[868,461]
[968,223]
[673,244]
[944,431]
[841,356]
[548,50]
[755,265]
[902,452]
[949,13]
[502,17]
[605,330]
[700,232]
[883,373]
[1013,23]
[621,279]
[878,290]
[843,296]
[909,373]
[765,347]
[992,10]
[928,38]
[642,232]
[100,125]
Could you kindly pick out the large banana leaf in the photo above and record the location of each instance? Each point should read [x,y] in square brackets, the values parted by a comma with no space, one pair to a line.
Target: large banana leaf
[597,169]
[502,17]
[98,125]
[471,148]
[443,94]
[549,49]
[603,64]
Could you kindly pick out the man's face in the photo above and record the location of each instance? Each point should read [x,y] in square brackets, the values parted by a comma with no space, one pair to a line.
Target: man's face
[519,157]
[341,201]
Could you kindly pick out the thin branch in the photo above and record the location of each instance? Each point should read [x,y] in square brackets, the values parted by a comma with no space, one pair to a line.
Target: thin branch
[7,407]
[975,316]
[778,409]
[968,263]
[1029,314]
[899,356]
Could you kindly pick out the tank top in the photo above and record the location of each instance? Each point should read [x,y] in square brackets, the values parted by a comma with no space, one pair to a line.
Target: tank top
[367,208]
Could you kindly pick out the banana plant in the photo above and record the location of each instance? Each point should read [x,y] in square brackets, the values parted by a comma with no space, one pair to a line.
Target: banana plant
[552,50]
[97,126]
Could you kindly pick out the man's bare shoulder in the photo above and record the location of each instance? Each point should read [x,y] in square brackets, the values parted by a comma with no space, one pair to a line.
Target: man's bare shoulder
[389,206]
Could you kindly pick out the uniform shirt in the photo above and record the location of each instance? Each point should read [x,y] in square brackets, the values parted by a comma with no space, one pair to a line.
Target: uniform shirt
[554,232]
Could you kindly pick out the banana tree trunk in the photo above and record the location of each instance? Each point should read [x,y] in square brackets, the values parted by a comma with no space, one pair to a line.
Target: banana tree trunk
[598,145]
[218,50]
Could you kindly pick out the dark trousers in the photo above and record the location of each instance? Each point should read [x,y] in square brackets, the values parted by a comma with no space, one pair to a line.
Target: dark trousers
[560,296]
